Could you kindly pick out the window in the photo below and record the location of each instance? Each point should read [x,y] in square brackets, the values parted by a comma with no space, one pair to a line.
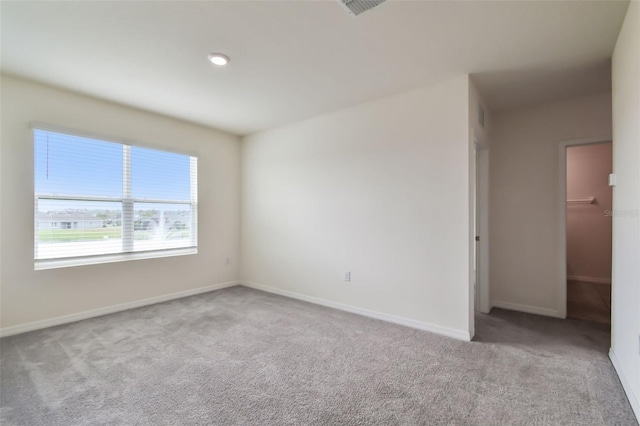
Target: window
[98,201]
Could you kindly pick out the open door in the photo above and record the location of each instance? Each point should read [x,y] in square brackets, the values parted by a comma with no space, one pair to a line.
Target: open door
[482,296]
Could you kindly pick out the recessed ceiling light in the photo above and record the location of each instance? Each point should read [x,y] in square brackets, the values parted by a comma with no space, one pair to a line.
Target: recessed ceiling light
[218,59]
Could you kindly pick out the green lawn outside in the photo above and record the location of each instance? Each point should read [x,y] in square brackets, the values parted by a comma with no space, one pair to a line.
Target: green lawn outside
[60,235]
[111,232]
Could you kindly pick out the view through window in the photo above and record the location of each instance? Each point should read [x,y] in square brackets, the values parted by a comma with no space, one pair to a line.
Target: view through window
[94,197]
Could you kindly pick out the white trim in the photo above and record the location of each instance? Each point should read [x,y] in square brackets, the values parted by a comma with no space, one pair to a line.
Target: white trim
[589,279]
[562,216]
[528,309]
[633,399]
[65,319]
[420,325]
[67,262]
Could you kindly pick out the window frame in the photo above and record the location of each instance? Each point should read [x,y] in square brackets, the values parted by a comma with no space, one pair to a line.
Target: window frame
[128,203]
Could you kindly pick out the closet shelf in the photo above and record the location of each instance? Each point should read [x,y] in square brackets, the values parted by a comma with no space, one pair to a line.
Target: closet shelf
[589,200]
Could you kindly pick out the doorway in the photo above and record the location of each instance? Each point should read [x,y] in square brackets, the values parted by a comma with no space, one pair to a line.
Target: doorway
[481,229]
[588,236]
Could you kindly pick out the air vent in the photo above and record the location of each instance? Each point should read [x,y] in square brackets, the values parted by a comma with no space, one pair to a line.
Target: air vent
[356,7]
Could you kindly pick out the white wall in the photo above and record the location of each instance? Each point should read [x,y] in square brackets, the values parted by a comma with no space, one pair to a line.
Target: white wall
[29,295]
[625,321]
[380,189]
[524,199]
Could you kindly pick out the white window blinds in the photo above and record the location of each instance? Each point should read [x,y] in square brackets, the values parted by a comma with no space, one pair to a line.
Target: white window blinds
[94,198]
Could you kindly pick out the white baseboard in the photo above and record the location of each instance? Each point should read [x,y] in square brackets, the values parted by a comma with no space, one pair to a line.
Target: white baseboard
[633,400]
[526,308]
[445,331]
[65,319]
[589,279]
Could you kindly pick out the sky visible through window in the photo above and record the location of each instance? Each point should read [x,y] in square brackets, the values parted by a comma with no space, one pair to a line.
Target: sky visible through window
[78,166]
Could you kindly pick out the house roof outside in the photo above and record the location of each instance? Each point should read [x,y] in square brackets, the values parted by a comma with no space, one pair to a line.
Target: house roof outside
[68,217]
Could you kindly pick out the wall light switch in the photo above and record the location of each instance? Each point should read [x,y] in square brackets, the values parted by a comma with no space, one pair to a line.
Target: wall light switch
[347,276]
[612,179]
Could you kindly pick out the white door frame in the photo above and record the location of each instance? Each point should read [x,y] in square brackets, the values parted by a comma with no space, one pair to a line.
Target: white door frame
[562,216]
[483,299]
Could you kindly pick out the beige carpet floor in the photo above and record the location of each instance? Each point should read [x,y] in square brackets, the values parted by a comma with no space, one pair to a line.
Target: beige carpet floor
[243,357]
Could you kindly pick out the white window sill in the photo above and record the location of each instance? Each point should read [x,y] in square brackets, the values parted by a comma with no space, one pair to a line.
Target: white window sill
[110,258]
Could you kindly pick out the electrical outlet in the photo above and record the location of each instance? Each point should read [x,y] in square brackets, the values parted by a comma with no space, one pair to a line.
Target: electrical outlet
[347,276]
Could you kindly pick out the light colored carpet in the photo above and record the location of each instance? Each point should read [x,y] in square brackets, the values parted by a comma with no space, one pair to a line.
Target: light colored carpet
[243,357]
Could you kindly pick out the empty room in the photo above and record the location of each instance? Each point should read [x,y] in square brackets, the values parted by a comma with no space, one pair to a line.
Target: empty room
[332,212]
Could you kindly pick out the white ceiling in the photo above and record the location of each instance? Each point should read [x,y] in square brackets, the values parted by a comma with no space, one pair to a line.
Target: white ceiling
[292,60]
